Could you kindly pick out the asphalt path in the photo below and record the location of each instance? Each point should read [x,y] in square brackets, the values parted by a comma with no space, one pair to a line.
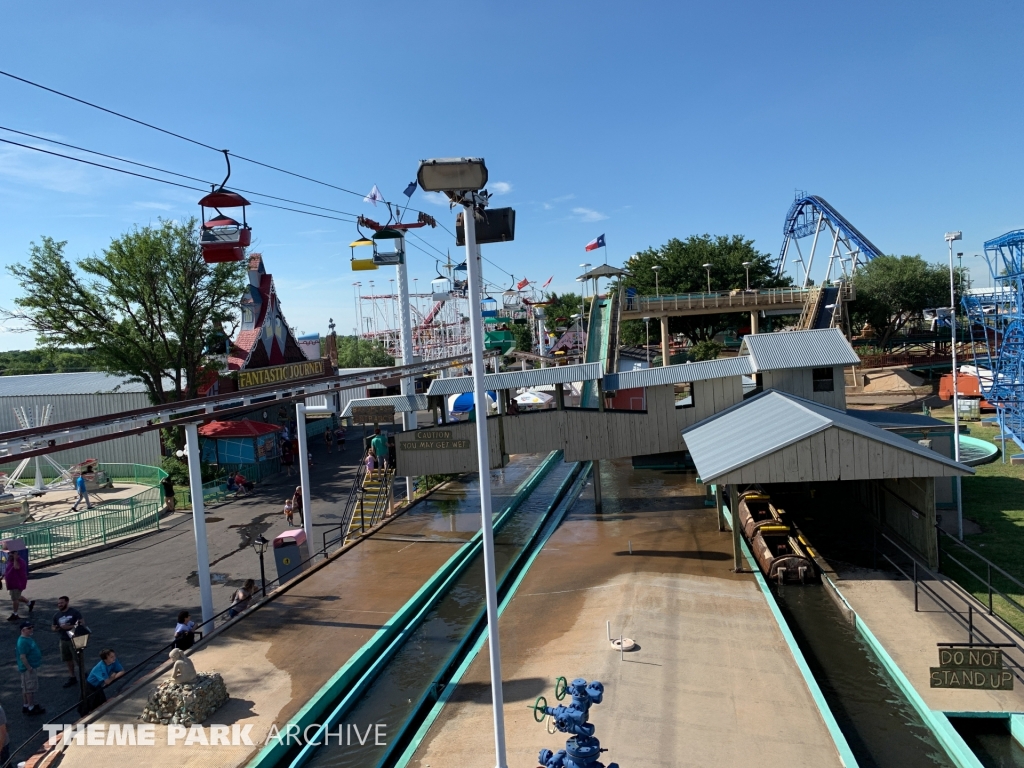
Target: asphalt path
[130,594]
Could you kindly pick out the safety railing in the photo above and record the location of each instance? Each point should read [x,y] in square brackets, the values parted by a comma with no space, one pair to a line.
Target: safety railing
[724,299]
[1016,608]
[337,534]
[984,629]
[216,491]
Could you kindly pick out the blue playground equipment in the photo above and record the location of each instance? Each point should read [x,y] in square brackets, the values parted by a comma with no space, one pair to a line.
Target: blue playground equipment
[582,749]
[810,216]
[996,323]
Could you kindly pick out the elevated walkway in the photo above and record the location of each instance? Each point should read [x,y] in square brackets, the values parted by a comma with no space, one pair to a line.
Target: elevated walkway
[780,300]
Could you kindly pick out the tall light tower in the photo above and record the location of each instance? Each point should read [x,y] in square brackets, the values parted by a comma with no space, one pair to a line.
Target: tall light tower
[657,291]
[951,237]
[708,268]
[747,265]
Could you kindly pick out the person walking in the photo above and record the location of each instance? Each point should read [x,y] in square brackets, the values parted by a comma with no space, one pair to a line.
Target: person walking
[29,658]
[339,438]
[106,671]
[287,457]
[380,448]
[371,461]
[240,600]
[297,503]
[83,494]
[167,484]
[64,622]
[16,574]
[329,438]
[289,511]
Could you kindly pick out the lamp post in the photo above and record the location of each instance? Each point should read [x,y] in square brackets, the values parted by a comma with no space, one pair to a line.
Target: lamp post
[260,546]
[462,179]
[79,637]
[747,265]
[647,324]
[951,237]
[657,291]
[708,268]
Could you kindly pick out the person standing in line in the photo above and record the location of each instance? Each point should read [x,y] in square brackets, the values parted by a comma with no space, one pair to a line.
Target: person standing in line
[65,620]
[380,448]
[16,574]
[371,462]
[83,494]
[30,658]
[106,671]
[240,600]
[297,503]
[287,457]
[329,438]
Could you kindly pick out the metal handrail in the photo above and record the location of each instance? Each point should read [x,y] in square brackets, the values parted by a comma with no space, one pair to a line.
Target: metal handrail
[349,509]
[989,564]
[995,620]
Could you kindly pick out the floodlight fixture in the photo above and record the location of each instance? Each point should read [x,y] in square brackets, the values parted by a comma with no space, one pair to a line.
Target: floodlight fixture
[951,236]
[452,174]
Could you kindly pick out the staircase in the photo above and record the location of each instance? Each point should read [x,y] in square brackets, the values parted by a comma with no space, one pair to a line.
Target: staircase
[372,501]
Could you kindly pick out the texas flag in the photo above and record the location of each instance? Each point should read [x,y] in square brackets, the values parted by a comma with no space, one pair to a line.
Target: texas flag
[598,242]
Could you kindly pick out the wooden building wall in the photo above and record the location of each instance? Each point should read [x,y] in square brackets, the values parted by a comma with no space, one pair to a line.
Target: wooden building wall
[799,382]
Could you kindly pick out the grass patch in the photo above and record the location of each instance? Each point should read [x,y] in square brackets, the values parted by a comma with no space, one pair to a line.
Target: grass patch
[994,499]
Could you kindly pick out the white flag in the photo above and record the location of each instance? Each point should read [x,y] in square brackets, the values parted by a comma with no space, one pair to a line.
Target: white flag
[374,196]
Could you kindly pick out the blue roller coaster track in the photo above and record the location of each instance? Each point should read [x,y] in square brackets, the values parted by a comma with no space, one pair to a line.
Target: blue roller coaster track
[810,216]
[996,322]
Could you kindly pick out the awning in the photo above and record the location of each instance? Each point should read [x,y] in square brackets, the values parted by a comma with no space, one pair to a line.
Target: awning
[240,428]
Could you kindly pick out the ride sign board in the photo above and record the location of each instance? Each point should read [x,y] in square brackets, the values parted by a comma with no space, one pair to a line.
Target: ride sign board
[976,668]
[373,414]
[282,373]
[434,440]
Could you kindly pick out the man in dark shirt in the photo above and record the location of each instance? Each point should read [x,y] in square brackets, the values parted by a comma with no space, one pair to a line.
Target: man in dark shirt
[65,619]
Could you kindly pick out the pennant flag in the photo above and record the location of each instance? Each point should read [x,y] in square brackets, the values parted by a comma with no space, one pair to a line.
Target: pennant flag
[410,189]
[593,245]
[522,284]
[548,282]
[375,195]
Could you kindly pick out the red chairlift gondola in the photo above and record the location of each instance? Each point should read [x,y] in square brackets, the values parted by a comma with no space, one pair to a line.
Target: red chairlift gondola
[222,238]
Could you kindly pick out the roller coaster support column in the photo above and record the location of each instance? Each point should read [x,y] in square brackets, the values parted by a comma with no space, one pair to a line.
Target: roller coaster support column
[475,279]
[950,237]
[734,508]
[195,486]
[405,326]
[664,340]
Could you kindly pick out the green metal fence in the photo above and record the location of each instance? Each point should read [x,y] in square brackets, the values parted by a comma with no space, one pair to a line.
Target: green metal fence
[216,491]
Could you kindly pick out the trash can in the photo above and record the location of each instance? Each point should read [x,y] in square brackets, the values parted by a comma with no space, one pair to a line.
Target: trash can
[290,554]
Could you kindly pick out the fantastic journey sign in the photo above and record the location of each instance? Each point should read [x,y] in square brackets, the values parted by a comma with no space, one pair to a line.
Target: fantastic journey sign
[280,374]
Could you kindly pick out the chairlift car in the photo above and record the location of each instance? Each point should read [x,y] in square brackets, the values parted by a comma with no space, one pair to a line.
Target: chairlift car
[360,265]
[222,238]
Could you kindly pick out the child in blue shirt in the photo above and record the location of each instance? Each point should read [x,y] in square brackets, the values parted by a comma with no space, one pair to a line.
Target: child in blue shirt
[106,671]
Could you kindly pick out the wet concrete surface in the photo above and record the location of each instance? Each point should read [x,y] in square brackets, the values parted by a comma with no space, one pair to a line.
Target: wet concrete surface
[713,682]
[277,657]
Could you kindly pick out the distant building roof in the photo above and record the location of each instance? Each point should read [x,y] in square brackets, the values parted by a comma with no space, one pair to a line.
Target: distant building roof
[84,383]
[676,374]
[559,374]
[798,349]
[239,428]
[402,403]
[773,420]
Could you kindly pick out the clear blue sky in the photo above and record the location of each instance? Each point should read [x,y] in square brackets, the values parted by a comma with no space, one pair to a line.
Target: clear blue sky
[643,121]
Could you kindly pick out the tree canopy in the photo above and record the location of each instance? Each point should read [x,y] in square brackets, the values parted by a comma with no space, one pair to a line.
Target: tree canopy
[561,308]
[145,308]
[894,290]
[682,271]
[354,352]
[22,362]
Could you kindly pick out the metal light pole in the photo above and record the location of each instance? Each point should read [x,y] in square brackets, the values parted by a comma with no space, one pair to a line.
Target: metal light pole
[657,291]
[408,383]
[708,268]
[464,176]
[647,325]
[747,265]
[260,545]
[950,238]
[195,484]
[301,409]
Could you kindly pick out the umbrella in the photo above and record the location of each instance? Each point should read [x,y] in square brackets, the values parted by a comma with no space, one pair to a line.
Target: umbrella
[464,403]
[534,398]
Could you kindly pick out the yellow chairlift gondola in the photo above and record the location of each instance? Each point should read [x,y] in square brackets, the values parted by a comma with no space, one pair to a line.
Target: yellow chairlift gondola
[361,265]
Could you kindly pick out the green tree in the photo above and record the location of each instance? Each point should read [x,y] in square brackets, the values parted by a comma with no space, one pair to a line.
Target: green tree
[43,360]
[354,352]
[523,334]
[709,349]
[145,308]
[893,291]
[682,271]
[560,309]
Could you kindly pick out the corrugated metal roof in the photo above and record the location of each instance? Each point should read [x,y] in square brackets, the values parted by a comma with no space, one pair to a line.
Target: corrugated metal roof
[769,422]
[676,374]
[559,374]
[799,349]
[402,403]
[83,383]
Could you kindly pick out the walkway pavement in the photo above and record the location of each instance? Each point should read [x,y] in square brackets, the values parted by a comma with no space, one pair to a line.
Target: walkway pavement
[713,682]
[130,594]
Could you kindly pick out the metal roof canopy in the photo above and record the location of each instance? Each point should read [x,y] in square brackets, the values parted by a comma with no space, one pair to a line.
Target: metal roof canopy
[703,370]
[603,270]
[798,349]
[77,383]
[25,443]
[732,446]
[561,374]
[402,403]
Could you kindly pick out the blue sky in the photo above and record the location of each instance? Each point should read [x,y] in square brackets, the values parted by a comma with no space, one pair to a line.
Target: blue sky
[640,120]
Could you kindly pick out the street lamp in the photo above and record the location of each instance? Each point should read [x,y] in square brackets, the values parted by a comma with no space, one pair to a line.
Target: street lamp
[647,323]
[79,637]
[260,545]
[747,265]
[656,269]
[708,268]
[951,237]
[461,179]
